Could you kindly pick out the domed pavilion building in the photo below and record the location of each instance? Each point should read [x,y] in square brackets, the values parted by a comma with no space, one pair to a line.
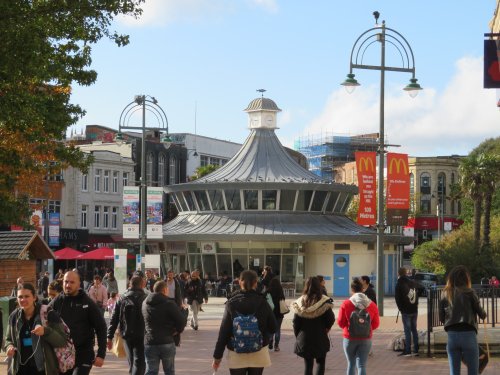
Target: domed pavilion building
[263,208]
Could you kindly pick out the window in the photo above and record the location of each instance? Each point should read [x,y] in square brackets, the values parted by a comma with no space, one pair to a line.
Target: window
[83,217]
[161,170]
[425,183]
[342,246]
[115,182]
[216,198]
[233,199]
[425,206]
[97,180]
[97,216]
[114,218]
[287,200]
[251,199]
[85,182]
[105,217]
[106,182]
[319,200]
[201,197]
[125,179]
[303,200]
[269,199]
[172,170]
[149,169]
[204,161]
[189,201]
[332,201]
[54,206]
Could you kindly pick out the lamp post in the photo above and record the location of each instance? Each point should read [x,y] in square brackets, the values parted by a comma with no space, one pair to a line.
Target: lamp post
[383,35]
[143,103]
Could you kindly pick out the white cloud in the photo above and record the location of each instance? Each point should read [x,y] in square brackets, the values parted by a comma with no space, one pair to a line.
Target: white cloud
[451,122]
[163,12]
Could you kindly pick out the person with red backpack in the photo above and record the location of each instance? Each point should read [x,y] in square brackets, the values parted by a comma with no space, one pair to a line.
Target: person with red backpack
[358,317]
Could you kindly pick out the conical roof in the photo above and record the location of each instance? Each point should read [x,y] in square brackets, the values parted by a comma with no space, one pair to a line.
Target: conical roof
[262,158]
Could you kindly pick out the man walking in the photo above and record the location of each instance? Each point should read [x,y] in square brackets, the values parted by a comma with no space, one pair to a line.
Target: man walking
[163,319]
[85,321]
[368,288]
[407,302]
[128,316]
[195,294]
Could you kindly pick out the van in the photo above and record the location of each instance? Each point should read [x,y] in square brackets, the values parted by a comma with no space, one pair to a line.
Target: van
[425,280]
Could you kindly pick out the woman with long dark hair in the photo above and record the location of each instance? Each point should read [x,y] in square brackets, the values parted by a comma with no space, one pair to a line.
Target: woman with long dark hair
[458,310]
[29,344]
[247,354]
[311,323]
[276,291]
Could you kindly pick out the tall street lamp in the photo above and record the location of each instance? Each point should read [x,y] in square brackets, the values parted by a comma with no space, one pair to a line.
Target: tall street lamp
[383,35]
[144,103]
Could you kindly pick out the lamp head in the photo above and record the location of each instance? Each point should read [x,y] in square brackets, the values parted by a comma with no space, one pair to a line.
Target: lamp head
[413,88]
[165,139]
[119,138]
[350,83]
[139,99]
[195,154]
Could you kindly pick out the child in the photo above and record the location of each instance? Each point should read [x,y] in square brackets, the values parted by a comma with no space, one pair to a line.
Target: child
[112,303]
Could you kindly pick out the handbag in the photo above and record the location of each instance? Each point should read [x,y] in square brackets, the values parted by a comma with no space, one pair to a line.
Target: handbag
[284,309]
[484,355]
[117,348]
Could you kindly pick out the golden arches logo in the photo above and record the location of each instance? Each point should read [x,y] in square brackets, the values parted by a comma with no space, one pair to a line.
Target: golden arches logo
[367,163]
[400,163]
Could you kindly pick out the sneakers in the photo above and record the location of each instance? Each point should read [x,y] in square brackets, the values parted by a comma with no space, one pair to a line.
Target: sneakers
[415,354]
[403,354]
[271,346]
[276,348]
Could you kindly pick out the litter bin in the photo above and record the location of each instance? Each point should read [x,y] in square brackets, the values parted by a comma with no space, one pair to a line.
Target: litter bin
[7,304]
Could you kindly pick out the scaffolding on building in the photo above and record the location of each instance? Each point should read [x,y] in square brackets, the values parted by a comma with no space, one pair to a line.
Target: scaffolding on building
[327,150]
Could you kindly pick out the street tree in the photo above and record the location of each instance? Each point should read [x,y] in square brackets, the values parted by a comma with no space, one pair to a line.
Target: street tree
[46,48]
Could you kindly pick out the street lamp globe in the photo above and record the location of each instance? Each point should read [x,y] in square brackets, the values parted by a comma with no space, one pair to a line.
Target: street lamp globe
[413,88]
[350,83]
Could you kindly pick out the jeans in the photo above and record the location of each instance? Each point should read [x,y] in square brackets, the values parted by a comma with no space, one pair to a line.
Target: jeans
[356,352]
[134,348]
[195,308]
[156,353]
[277,335]
[309,363]
[410,327]
[463,345]
[246,371]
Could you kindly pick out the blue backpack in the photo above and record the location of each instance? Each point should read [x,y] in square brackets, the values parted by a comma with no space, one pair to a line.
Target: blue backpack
[247,337]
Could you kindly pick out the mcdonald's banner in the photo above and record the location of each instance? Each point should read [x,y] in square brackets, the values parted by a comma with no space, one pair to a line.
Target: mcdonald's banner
[398,189]
[367,182]
[491,64]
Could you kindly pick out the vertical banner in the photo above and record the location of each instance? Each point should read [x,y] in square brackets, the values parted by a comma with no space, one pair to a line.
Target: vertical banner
[120,258]
[54,225]
[131,212]
[365,167]
[491,64]
[398,189]
[154,212]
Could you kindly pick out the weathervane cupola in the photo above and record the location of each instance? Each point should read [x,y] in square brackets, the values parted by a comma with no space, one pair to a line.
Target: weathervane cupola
[262,113]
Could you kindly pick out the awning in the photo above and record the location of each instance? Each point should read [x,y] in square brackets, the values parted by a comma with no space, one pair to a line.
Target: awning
[67,254]
[103,253]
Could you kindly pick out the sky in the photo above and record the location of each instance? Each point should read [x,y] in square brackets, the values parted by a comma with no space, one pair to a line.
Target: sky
[203,60]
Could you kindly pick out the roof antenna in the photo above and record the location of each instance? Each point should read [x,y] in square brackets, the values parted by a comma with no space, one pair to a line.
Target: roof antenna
[262,91]
[376,15]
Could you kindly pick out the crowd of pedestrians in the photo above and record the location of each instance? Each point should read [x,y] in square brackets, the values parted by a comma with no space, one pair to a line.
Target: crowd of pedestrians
[150,316]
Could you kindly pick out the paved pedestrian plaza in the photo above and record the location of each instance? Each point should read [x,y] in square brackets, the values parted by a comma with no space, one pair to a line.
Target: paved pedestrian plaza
[195,353]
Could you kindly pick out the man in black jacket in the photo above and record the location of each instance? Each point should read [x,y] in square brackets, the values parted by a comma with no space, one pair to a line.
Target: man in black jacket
[163,319]
[368,288]
[407,300]
[195,294]
[131,326]
[85,321]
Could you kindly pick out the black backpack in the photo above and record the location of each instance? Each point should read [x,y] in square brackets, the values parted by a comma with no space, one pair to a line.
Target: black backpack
[131,320]
[359,324]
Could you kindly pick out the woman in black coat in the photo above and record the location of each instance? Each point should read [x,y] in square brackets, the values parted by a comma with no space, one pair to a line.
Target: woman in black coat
[276,291]
[311,323]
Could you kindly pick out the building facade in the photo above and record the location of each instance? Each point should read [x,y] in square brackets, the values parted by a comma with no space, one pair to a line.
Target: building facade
[263,208]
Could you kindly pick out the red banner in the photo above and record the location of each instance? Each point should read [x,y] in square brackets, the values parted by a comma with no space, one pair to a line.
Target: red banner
[366,170]
[398,189]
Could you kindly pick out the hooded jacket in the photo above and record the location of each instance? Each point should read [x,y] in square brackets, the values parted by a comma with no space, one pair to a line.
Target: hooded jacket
[162,319]
[362,302]
[462,314]
[245,302]
[84,320]
[406,296]
[311,325]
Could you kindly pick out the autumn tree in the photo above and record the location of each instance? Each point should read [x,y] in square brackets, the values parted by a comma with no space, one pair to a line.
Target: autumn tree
[46,48]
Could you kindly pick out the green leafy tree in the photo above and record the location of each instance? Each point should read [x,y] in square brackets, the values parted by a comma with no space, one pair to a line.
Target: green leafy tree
[204,170]
[46,48]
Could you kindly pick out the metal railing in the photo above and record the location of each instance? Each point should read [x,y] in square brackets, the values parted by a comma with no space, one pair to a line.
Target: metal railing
[488,298]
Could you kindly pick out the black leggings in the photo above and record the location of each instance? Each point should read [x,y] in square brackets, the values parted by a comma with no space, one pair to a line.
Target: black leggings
[320,368]
[247,371]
